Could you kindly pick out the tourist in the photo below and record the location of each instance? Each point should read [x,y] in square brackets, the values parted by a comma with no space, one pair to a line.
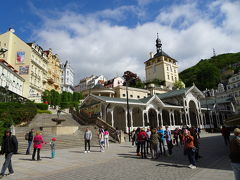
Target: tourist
[137,142]
[142,138]
[180,136]
[106,138]
[9,147]
[118,135]
[168,140]
[101,140]
[53,147]
[87,140]
[29,138]
[133,138]
[226,135]
[189,148]
[37,145]
[194,134]
[154,139]
[148,140]
[162,142]
[235,153]
[175,136]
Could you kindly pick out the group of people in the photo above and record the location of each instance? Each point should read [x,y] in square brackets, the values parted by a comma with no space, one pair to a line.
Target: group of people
[103,137]
[161,142]
[10,146]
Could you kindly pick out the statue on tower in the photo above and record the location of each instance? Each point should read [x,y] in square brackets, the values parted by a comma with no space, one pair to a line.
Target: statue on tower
[158,45]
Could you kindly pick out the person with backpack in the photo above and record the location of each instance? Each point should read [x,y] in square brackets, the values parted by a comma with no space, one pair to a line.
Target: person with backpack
[142,138]
[154,139]
[29,138]
[87,140]
[9,147]
[106,138]
[37,145]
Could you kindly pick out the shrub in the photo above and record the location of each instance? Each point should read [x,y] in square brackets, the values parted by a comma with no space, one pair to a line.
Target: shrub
[44,111]
[42,106]
[64,105]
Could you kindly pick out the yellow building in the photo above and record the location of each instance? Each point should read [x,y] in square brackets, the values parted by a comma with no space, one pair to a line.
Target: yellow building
[54,72]
[161,67]
[29,60]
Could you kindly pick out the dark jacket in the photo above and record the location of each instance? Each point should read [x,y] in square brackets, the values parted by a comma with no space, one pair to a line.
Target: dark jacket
[235,150]
[9,144]
[30,136]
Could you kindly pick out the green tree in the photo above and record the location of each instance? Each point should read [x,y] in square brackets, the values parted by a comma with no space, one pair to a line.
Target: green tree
[179,85]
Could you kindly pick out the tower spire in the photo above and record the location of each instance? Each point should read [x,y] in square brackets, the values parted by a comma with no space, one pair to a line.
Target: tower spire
[158,45]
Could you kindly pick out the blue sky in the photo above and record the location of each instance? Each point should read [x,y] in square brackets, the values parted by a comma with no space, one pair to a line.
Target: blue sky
[110,36]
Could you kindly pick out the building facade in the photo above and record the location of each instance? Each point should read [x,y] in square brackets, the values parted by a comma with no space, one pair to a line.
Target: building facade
[54,74]
[161,67]
[9,78]
[67,77]
[115,82]
[29,60]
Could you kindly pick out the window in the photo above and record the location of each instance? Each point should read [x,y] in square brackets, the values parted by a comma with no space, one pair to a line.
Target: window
[168,77]
[167,68]
[131,95]
[123,95]
[138,97]
[172,78]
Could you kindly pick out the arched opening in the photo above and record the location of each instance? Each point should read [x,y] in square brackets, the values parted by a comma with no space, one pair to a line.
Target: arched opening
[137,117]
[193,113]
[214,120]
[177,118]
[207,117]
[166,118]
[184,121]
[145,119]
[152,115]
[221,119]
[109,118]
[103,112]
[119,118]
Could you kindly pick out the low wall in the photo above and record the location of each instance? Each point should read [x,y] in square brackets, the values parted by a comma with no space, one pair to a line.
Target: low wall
[64,130]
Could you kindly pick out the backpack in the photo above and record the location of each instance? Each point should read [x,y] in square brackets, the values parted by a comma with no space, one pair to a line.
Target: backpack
[26,136]
[144,137]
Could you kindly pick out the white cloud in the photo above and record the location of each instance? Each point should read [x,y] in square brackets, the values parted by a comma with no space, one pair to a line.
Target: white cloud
[95,46]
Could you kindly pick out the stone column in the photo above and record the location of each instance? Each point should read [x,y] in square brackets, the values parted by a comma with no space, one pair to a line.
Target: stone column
[157,118]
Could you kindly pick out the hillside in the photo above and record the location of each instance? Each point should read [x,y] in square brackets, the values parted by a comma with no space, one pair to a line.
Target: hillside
[208,73]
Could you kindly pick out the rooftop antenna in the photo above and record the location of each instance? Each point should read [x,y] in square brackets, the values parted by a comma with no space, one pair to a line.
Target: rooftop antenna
[214,53]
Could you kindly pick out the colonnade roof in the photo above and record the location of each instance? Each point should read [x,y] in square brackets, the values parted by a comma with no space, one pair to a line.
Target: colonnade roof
[208,102]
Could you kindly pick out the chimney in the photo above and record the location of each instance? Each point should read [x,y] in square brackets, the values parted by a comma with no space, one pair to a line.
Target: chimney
[11,29]
[151,55]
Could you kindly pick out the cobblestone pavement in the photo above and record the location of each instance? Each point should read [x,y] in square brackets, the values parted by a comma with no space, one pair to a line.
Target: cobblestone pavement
[121,162]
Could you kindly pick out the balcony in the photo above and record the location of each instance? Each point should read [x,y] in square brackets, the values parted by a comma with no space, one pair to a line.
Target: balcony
[50,80]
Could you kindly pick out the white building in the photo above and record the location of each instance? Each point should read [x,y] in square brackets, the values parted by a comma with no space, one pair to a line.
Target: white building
[9,78]
[112,83]
[67,77]
[90,82]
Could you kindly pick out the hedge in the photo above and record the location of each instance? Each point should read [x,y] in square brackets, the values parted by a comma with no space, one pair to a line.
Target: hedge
[42,106]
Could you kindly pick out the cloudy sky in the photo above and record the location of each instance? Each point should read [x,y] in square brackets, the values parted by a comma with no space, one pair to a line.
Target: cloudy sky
[111,36]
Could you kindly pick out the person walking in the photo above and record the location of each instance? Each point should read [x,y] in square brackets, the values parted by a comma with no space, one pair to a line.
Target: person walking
[118,135]
[189,148]
[154,139]
[133,134]
[106,138]
[101,140]
[87,140]
[175,136]
[226,135]
[137,142]
[29,138]
[162,142]
[142,138]
[235,153]
[148,140]
[194,134]
[168,140]
[53,147]
[37,145]
[9,147]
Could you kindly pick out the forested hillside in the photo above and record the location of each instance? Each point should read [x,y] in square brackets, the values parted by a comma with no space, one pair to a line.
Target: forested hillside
[209,72]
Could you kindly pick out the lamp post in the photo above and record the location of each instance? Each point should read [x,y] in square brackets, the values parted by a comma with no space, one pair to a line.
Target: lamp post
[128,115]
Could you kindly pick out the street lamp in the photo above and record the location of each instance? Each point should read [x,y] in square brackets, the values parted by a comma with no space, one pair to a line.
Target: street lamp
[128,118]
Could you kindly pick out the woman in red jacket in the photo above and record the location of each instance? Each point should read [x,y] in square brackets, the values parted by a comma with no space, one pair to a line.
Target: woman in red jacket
[37,145]
[189,148]
[142,138]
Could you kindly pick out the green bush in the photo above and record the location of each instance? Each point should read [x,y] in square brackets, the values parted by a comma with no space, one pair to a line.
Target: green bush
[43,111]
[64,105]
[42,106]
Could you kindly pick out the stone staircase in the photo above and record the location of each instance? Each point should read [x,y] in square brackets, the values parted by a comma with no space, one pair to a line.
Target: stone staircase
[63,141]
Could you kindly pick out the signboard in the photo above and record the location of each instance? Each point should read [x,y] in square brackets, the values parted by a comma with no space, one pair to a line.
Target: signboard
[20,56]
[23,70]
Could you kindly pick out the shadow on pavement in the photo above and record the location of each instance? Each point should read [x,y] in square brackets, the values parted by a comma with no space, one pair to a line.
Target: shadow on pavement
[212,149]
